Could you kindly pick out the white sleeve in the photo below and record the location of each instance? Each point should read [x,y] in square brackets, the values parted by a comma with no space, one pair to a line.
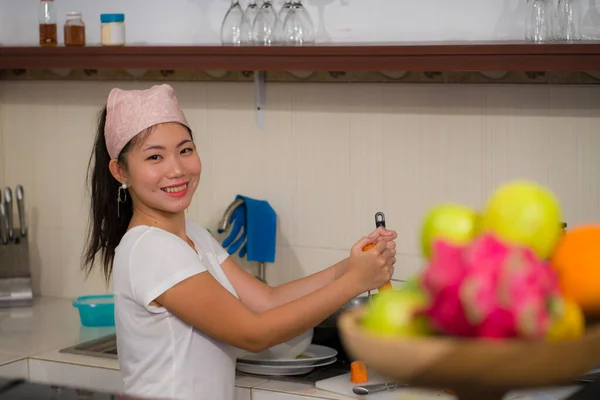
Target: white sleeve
[159,261]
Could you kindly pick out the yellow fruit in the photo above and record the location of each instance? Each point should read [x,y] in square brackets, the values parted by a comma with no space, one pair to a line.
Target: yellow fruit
[570,326]
[525,214]
[455,223]
[392,313]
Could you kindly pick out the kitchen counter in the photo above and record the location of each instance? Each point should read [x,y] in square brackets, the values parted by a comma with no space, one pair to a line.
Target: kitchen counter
[38,333]
[51,324]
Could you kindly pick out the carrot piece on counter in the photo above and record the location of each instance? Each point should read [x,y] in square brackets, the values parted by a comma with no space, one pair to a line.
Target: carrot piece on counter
[358,372]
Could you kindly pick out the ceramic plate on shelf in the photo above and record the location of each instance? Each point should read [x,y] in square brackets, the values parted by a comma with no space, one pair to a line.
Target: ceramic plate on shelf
[282,370]
[312,355]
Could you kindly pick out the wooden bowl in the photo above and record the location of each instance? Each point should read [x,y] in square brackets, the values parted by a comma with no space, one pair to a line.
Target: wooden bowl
[472,369]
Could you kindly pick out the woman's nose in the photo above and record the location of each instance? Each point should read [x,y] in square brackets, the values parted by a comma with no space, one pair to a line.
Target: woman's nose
[175,167]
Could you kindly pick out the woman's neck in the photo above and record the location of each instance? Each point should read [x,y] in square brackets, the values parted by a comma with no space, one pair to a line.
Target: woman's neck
[170,222]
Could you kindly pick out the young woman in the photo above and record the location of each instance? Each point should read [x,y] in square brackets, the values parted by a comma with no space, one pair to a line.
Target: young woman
[182,305]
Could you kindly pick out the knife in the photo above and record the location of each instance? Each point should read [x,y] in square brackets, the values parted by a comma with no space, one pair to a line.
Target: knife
[377,387]
[21,208]
[8,200]
[3,224]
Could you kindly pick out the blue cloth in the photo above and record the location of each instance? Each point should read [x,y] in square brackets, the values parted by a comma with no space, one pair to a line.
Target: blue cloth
[235,239]
[254,230]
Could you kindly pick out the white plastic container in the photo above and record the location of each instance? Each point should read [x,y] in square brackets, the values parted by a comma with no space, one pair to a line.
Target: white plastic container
[112,27]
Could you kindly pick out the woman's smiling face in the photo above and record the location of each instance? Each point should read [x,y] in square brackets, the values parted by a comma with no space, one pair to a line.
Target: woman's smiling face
[163,169]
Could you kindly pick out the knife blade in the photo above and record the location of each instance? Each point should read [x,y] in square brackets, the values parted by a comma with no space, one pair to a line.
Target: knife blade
[8,200]
[19,193]
[377,387]
[3,224]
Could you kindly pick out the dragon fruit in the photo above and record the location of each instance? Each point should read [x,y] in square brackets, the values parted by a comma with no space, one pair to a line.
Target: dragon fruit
[490,289]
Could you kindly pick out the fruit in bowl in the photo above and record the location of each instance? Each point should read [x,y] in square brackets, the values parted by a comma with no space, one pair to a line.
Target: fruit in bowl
[577,261]
[511,297]
[524,214]
[395,312]
[452,222]
[488,274]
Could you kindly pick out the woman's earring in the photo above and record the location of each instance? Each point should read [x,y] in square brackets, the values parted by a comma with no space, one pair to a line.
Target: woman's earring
[119,199]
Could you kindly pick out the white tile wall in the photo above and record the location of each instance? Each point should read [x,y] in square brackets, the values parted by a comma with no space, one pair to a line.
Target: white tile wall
[330,157]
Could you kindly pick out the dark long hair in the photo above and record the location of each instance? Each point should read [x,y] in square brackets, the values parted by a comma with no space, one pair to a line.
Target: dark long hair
[106,225]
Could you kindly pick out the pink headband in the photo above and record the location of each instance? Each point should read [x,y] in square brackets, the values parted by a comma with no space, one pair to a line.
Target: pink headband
[129,112]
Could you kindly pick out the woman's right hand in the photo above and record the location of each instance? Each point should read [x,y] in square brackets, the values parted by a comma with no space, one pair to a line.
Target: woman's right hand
[372,268]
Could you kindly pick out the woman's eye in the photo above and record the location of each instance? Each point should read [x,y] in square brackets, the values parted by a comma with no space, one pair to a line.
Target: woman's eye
[187,150]
[153,157]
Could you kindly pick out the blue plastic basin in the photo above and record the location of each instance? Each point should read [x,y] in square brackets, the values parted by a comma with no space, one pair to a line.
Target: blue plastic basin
[96,310]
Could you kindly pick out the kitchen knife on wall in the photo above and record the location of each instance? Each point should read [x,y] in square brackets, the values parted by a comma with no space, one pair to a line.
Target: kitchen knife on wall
[3,224]
[20,195]
[8,200]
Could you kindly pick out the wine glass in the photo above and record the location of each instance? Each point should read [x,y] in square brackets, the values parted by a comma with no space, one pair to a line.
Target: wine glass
[298,28]
[567,21]
[251,11]
[266,29]
[538,26]
[590,26]
[285,9]
[235,29]
[321,33]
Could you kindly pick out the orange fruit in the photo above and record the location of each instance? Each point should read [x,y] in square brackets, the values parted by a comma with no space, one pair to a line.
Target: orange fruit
[576,258]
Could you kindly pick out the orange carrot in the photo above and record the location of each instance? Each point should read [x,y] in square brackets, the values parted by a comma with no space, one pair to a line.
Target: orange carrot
[358,372]
[369,246]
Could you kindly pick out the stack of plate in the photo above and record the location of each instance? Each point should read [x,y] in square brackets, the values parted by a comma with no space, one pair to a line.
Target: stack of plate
[315,356]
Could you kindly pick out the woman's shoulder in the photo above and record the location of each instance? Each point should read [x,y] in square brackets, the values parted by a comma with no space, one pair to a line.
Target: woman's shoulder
[196,230]
[149,239]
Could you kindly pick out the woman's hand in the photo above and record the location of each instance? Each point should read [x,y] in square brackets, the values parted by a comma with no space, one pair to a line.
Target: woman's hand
[388,235]
[372,268]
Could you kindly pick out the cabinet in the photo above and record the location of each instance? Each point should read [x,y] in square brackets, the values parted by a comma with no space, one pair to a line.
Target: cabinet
[258,394]
[242,394]
[15,370]
[80,376]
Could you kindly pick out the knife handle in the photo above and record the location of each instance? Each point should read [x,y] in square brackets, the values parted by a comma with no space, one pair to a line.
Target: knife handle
[377,387]
[8,200]
[21,208]
[3,223]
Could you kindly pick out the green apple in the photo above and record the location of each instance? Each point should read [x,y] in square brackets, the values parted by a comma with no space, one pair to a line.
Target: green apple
[454,223]
[526,214]
[392,313]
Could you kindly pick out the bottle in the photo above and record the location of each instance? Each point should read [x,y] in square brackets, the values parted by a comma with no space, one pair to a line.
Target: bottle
[112,29]
[74,29]
[47,21]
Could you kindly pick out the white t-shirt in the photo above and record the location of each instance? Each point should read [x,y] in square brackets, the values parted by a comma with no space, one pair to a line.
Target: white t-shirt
[160,355]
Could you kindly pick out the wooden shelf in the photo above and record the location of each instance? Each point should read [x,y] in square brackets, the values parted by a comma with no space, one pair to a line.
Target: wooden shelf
[434,56]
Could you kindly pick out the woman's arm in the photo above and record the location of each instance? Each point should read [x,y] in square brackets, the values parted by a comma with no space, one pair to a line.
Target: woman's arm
[260,297]
[202,302]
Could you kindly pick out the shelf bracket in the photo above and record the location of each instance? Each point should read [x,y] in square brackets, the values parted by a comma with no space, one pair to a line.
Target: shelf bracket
[260,97]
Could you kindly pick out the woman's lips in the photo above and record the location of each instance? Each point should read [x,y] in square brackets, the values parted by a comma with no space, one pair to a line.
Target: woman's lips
[176,191]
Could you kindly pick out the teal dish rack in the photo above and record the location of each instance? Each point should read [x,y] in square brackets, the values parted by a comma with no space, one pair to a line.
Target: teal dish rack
[96,310]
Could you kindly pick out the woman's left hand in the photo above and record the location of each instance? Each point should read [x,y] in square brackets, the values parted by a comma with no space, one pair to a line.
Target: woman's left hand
[388,235]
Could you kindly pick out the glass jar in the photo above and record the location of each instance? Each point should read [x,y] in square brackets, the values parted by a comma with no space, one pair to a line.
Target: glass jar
[112,29]
[74,29]
[47,23]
